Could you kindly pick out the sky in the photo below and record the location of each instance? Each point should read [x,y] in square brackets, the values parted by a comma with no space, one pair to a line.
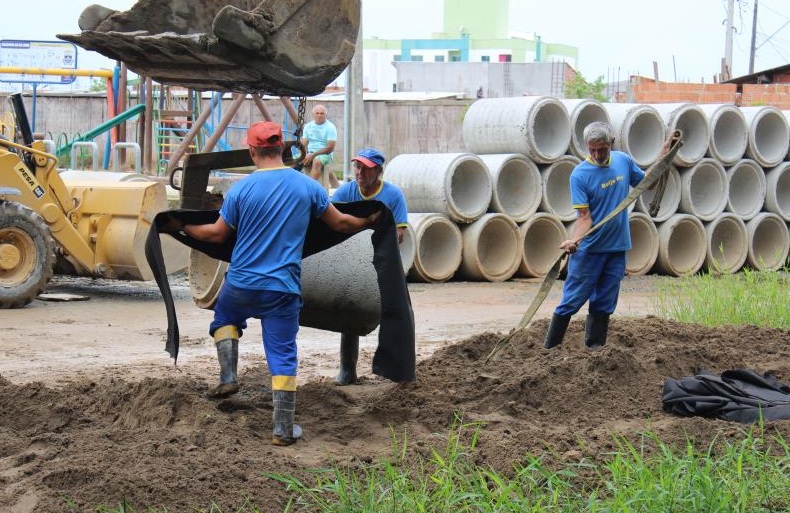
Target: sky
[616,38]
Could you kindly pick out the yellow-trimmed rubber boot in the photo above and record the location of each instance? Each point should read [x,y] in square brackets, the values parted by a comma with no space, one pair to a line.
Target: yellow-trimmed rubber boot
[228,356]
[285,432]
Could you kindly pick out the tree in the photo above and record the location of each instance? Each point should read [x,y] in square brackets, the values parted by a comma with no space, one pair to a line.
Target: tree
[578,87]
[98,85]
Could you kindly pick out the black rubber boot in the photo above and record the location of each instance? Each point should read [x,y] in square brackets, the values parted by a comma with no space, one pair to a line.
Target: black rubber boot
[349,354]
[557,329]
[596,328]
[285,432]
[228,356]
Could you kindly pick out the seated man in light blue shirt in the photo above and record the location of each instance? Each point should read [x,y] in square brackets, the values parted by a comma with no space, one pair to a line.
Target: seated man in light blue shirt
[319,137]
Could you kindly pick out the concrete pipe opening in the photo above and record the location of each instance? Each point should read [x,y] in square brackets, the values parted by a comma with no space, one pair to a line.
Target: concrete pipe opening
[729,133]
[408,248]
[556,190]
[703,191]
[644,244]
[456,184]
[439,248]
[670,200]
[727,244]
[746,189]
[681,246]
[691,120]
[638,130]
[769,135]
[535,126]
[516,185]
[769,242]
[582,112]
[541,236]
[492,249]
[777,190]
[786,114]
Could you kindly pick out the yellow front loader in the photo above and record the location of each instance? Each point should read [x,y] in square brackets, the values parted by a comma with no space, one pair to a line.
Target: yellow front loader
[80,226]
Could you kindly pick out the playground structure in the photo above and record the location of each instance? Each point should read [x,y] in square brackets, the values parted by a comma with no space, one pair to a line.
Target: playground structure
[171,121]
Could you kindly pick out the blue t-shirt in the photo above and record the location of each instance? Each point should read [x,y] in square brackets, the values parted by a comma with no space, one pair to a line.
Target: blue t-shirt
[600,189]
[318,136]
[270,211]
[388,194]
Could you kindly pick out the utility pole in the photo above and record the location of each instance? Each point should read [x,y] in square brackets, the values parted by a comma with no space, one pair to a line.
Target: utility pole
[727,71]
[752,48]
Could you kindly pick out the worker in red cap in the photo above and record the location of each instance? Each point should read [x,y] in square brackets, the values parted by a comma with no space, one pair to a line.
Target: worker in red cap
[269,212]
[369,185]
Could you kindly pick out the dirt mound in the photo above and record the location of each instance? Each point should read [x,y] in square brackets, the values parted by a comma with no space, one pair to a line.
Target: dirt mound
[161,442]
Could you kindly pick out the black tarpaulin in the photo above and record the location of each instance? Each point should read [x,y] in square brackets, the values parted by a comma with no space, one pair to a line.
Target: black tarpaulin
[739,395]
[395,355]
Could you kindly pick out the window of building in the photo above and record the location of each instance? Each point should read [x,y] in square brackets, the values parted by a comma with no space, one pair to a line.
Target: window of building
[438,58]
[505,57]
[485,58]
[396,57]
[416,58]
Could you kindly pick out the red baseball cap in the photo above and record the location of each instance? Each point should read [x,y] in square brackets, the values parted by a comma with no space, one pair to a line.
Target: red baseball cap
[264,134]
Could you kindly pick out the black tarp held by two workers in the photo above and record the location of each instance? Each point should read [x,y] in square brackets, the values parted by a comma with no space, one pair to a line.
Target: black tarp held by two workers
[739,395]
[394,358]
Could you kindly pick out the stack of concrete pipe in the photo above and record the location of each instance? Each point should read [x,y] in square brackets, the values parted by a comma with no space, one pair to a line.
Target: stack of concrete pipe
[502,209]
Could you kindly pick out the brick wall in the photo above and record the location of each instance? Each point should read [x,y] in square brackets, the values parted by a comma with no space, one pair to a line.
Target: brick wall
[646,90]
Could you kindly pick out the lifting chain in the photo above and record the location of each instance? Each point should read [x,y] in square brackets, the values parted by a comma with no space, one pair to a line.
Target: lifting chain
[300,110]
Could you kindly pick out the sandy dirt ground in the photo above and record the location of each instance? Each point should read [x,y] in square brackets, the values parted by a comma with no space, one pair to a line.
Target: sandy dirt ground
[93,412]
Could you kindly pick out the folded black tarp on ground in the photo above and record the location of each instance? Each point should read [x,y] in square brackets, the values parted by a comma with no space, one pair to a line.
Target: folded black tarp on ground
[395,355]
[740,395]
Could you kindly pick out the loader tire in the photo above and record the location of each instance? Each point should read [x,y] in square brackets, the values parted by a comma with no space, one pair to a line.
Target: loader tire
[27,255]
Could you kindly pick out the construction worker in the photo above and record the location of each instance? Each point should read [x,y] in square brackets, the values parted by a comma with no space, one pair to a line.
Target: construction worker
[597,262]
[369,185]
[269,212]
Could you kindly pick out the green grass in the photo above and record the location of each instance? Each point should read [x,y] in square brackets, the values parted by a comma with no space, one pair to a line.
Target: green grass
[749,475]
[758,298]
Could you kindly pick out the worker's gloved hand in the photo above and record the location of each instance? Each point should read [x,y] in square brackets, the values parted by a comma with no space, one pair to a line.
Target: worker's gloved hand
[372,218]
[569,246]
[171,224]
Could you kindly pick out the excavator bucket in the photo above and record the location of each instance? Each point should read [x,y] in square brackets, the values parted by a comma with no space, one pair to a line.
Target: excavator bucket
[279,47]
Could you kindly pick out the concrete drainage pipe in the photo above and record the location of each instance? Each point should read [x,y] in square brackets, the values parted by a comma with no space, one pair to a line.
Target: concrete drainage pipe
[777,190]
[729,133]
[769,135]
[681,245]
[541,236]
[492,249]
[638,130]
[769,242]
[703,191]
[583,112]
[669,201]
[691,120]
[516,185]
[556,194]
[340,288]
[746,190]
[457,184]
[408,248]
[727,244]
[644,244]
[439,248]
[535,126]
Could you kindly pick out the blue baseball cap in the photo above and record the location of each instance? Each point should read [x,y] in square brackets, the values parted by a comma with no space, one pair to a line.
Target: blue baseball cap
[370,157]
